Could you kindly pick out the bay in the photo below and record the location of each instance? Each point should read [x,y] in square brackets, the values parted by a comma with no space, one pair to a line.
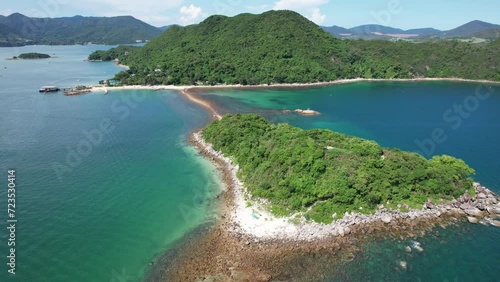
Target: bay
[403,115]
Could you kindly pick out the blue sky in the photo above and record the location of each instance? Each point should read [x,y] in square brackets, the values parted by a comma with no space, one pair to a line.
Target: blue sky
[406,14]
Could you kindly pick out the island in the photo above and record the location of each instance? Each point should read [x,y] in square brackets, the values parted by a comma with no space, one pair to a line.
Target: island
[31,56]
[291,192]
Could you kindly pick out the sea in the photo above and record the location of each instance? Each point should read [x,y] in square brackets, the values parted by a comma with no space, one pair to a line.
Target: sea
[107,184]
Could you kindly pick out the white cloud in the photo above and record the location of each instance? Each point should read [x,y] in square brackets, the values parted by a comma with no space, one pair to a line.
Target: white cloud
[150,11]
[190,14]
[258,8]
[316,16]
[294,4]
[7,12]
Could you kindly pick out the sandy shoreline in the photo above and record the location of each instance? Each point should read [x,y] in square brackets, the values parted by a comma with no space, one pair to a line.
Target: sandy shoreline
[282,85]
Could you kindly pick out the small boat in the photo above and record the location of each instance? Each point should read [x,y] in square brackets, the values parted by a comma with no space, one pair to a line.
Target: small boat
[46,89]
[105,91]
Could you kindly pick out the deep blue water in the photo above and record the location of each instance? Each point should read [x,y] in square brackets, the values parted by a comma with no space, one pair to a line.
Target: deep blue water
[404,115]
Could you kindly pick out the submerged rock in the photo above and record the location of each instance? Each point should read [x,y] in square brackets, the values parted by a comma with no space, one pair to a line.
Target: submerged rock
[408,249]
[472,219]
[495,223]
[403,264]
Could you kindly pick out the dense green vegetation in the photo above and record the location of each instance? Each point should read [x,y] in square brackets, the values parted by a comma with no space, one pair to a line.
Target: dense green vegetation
[32,56]
[18,29]
[119,53]
[330,172]
[383,59]
[284,47]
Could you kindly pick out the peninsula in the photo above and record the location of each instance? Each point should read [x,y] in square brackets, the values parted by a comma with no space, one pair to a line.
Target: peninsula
[292,192]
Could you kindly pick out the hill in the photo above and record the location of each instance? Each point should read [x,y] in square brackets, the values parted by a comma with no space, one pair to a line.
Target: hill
[468,29]
[374,31]
[491,34]
[276,46]
[337,31]
[284,47]
[321,172]
[18,29]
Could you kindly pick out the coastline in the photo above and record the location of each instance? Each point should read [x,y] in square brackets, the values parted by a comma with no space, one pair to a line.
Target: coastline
[256,222]
[285,85]
[241,248]
[247,241]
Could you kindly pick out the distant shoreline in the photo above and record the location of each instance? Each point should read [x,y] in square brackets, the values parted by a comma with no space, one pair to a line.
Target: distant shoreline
[285,85]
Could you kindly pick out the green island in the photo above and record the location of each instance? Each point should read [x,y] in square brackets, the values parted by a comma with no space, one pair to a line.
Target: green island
[32,55]
[321,172]
[285,47]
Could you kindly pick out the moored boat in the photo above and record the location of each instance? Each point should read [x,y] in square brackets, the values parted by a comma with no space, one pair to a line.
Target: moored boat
[46,89]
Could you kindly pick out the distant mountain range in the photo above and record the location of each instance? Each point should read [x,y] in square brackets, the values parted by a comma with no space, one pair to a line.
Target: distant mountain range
[18,29]
[372,31]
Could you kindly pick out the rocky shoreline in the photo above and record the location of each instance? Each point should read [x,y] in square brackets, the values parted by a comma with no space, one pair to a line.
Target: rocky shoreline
[239,249]
[256,222]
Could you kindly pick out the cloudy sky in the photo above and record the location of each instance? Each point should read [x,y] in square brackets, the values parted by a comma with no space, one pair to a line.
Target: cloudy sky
[442,14]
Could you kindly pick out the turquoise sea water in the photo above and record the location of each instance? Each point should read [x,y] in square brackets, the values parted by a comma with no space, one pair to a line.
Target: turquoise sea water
[404,115]
[139,189]
[134,188]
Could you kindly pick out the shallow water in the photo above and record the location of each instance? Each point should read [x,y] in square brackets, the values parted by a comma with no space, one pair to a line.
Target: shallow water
[129,192]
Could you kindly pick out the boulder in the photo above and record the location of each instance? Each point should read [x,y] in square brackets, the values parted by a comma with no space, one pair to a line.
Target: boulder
[495,223]
[408,249]
[448,207]
[465,206]
[341,231]
[491,200]
[429,204]
[403,264]
[386,219]
[493,210]
[335,232]
[472,219]
[418,248]
[466,197]
[481,196]
[473,212]
[347,230]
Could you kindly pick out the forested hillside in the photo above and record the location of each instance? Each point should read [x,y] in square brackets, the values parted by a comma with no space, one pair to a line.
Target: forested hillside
[18,29]
[284,47]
